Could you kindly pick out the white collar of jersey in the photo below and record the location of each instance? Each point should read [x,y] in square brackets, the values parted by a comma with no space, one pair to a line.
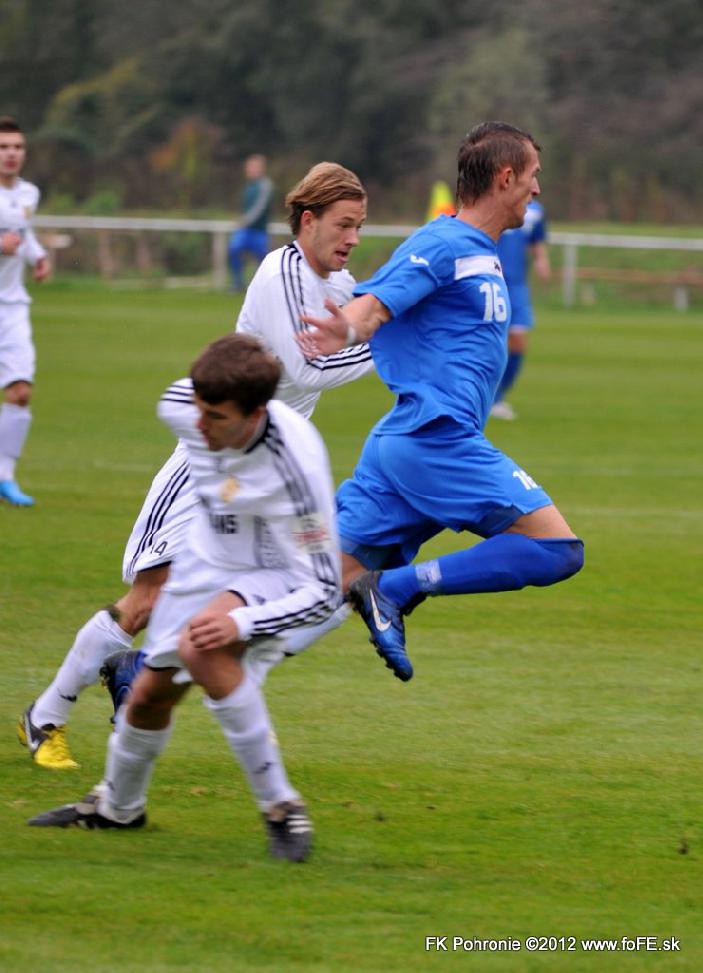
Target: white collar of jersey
[259,434]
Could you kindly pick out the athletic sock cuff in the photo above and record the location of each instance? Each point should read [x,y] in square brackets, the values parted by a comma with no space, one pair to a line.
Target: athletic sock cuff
[240,696]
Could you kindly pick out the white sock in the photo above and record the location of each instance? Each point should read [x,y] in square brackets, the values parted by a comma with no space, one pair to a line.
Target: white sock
[131,755]
[297,639]
[245,722]
[15,421]
[100,636]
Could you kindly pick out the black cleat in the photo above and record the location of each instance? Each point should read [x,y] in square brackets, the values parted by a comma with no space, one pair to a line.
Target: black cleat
[290,831]
[84,814]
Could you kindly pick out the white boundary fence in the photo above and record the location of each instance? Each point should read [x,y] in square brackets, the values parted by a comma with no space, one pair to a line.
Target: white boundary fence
[572,241]
[221,230]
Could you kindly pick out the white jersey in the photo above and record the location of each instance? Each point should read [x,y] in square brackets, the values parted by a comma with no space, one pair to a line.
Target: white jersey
[284,287]
[17,204]
[159,531]
[269,506]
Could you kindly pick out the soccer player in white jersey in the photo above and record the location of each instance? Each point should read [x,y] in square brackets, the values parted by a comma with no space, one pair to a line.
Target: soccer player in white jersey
[261,557]
[18,246]
[327,208]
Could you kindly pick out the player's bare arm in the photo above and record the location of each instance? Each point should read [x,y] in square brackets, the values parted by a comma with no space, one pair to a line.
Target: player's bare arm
[540,261]
[356,322]
[42,269]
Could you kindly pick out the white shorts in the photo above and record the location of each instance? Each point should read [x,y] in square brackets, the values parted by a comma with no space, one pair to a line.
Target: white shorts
[17,356]
[191,586]
[160,529]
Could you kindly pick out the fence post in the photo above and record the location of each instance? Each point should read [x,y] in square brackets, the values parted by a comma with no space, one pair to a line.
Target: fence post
[106,259]
[219,259]
[681,298]
[568,280]
[145,264]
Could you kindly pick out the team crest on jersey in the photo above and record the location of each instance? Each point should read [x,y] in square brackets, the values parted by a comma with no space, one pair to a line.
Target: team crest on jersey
[229,489]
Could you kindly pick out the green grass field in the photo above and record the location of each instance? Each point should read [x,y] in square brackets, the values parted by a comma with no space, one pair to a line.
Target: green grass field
[540,776]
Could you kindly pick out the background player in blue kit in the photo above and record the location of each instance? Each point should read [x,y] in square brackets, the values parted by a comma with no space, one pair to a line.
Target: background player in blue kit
[251,236]
[436,315]
[517,249]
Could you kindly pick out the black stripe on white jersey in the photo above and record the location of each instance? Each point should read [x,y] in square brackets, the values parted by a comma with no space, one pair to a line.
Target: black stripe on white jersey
[160,509]
[180,391]
[291,263]
[297,486]
[303,502]
[354,355]
[291,260]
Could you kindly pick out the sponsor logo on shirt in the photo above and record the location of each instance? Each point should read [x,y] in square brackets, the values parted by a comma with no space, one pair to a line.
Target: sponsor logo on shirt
[311,534]
[485,264]
[224,523]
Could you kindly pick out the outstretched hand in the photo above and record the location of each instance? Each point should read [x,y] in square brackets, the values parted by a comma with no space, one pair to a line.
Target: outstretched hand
[330,334]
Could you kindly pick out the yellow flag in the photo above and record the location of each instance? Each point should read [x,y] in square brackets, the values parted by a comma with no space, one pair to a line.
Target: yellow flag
[441,201]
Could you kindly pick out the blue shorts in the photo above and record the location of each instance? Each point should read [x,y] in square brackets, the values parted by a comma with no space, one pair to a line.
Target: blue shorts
[407,488]
[249,240]
[522,315]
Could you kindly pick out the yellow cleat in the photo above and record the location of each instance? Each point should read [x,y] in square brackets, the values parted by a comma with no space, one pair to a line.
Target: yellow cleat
[47,744]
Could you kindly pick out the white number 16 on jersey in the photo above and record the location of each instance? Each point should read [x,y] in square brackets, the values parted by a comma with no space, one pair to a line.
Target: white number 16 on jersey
[496,308]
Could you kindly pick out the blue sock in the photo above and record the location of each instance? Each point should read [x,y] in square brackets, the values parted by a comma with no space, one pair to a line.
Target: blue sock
[506,562]
[510,374]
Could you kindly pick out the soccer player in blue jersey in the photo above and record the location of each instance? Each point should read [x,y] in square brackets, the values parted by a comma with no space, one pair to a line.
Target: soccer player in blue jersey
[517,249]
[437,315]
[251,235]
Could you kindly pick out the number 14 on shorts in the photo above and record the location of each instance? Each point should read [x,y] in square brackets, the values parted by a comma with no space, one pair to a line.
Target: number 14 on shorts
[525,479]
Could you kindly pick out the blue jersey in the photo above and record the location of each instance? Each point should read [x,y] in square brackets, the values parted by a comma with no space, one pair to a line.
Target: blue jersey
[513,245]
[444,350]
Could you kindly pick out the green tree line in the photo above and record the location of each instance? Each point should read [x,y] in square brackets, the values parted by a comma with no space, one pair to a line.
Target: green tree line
[155,105]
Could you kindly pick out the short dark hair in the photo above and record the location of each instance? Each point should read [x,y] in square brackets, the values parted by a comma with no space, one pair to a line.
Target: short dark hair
[9,124]
[236,369]
[483,152]
[325,184]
